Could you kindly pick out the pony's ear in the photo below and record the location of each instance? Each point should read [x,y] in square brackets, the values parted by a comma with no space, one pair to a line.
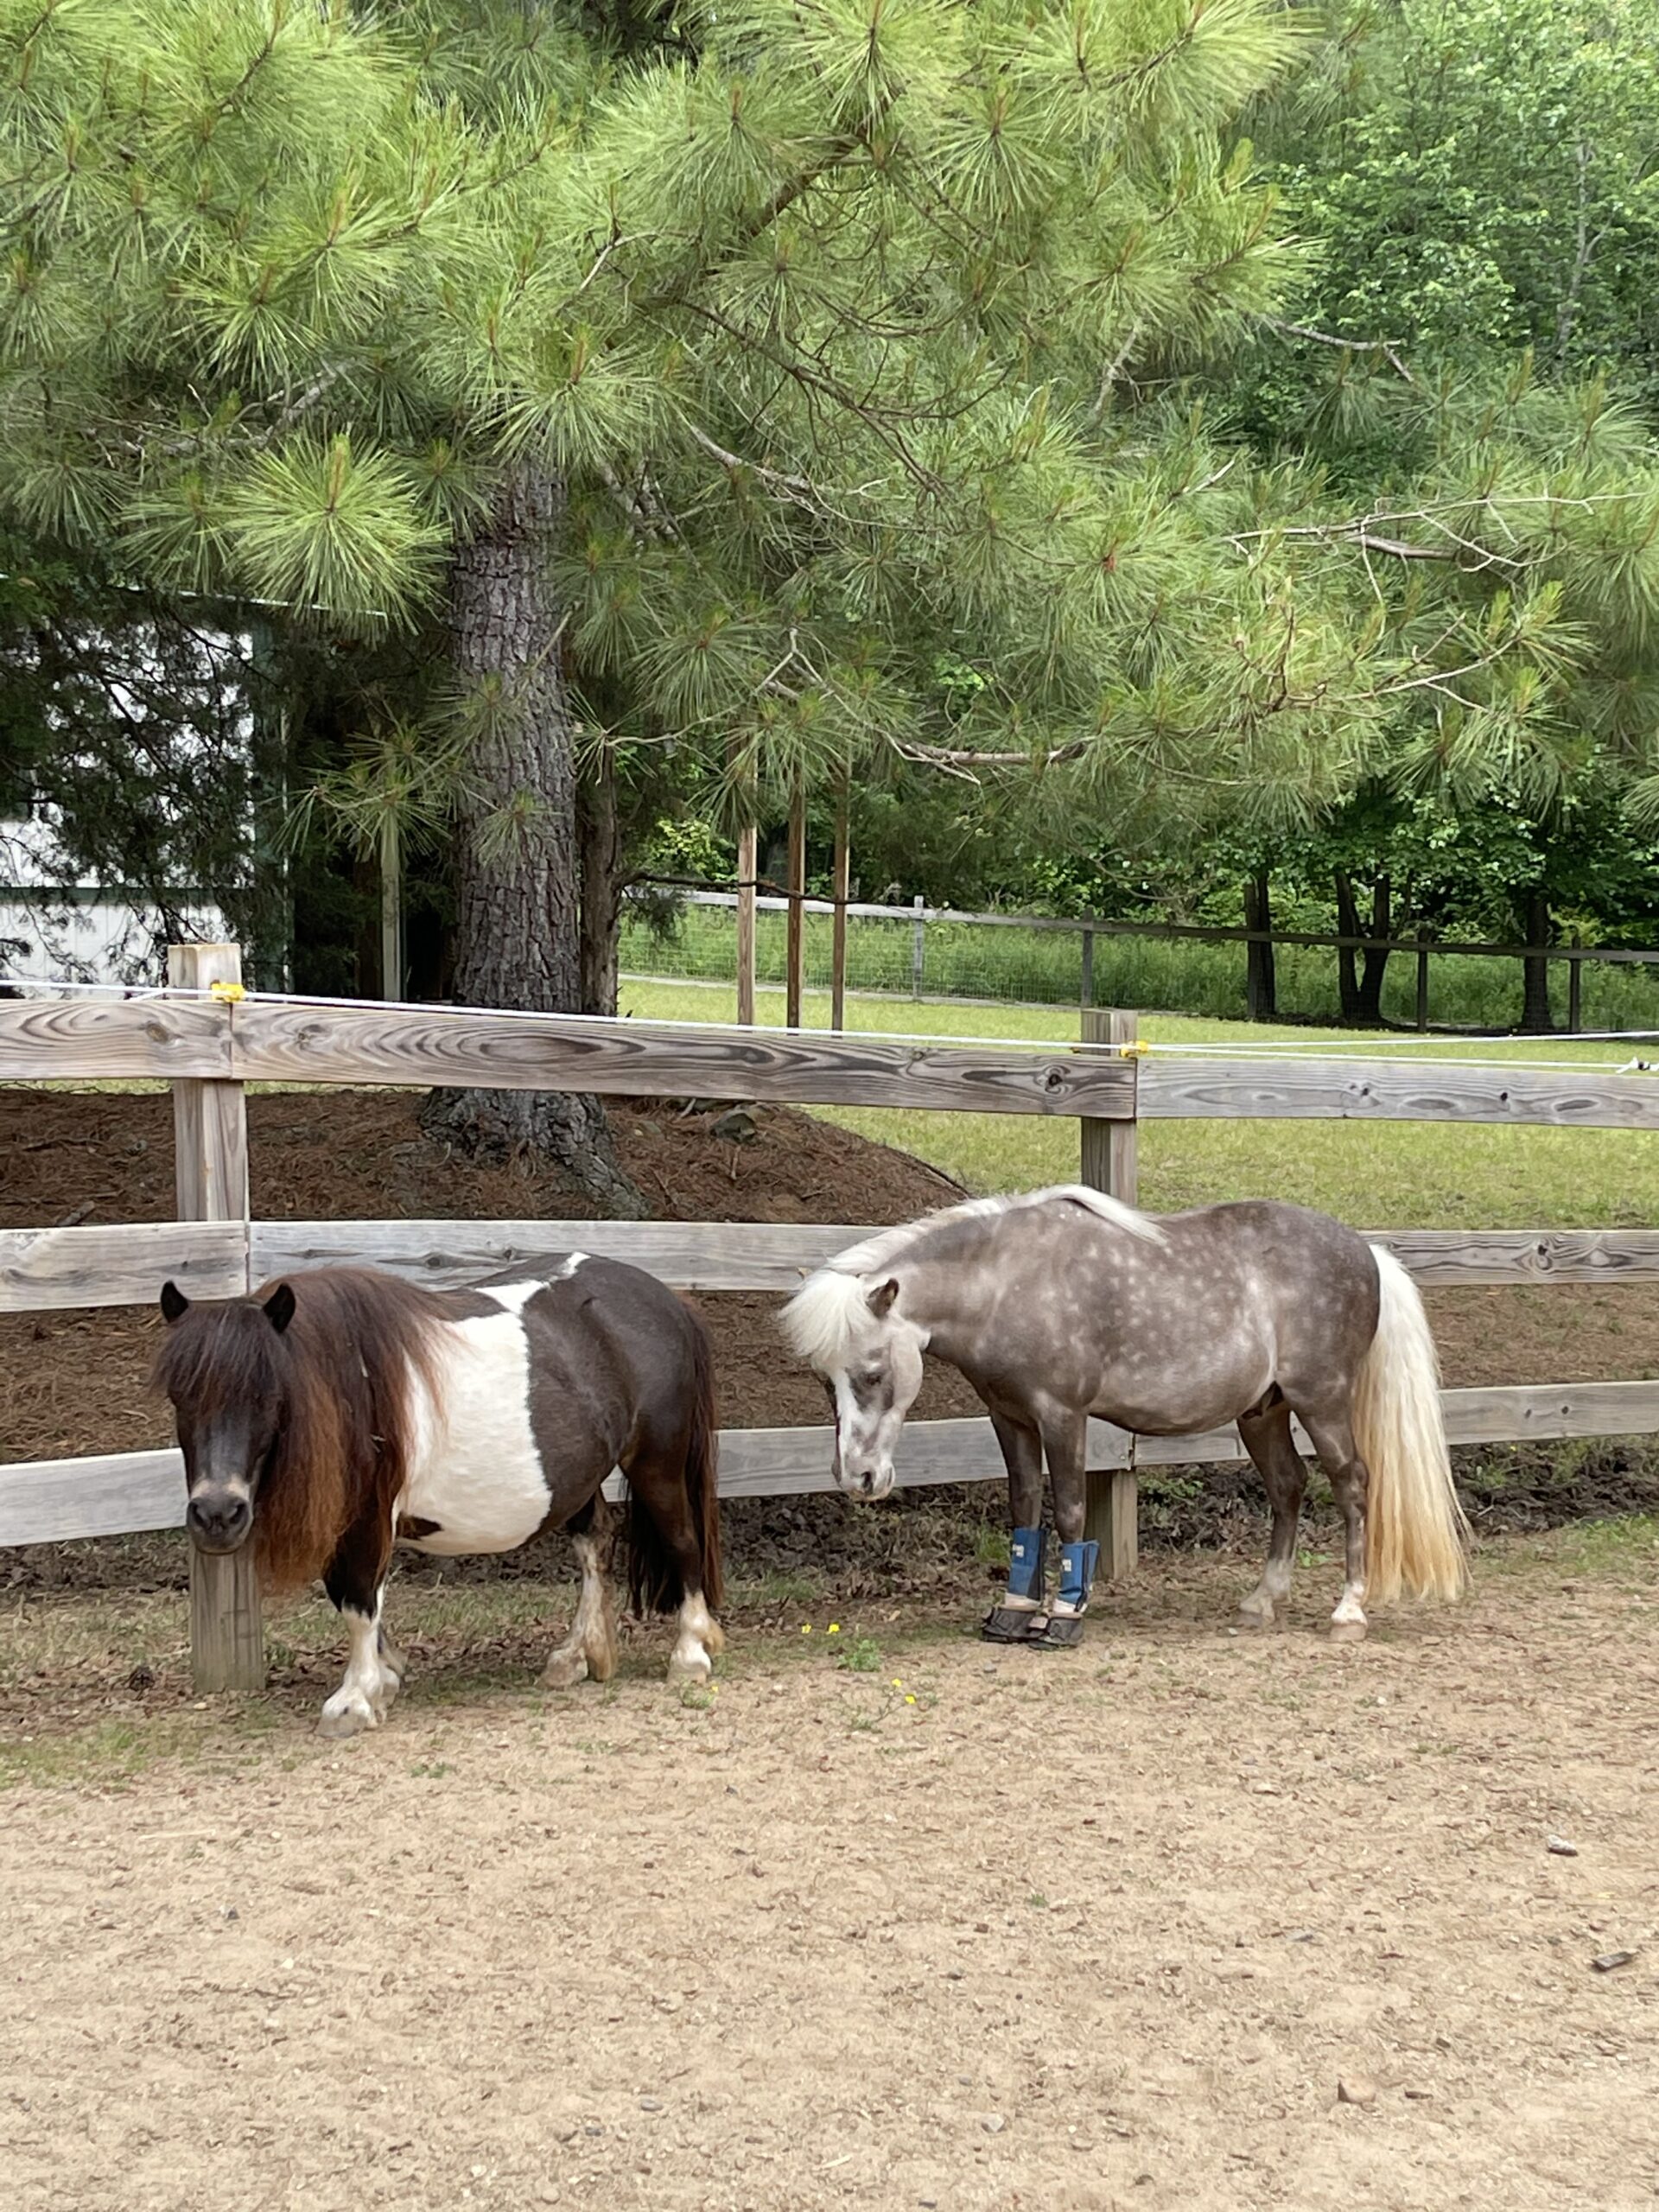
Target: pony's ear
[173,1302]
[279,1307]
[880,1298]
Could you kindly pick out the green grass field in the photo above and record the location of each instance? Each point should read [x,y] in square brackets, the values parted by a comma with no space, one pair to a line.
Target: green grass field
[1376,1174]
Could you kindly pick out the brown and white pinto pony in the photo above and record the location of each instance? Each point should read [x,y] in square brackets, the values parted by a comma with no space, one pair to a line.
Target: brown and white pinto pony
[329,1417]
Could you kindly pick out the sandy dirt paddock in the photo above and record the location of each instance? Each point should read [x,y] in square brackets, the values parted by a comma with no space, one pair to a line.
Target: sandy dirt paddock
[1098,1930]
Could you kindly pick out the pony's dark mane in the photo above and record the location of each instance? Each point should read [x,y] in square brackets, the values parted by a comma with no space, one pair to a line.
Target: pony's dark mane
[340,1377]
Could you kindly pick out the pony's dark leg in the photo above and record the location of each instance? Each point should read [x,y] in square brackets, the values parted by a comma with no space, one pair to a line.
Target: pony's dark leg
[1332,1437]
[1065,1437]
[1022,1444]
[355,1578]
[1266,1434]
[589,1651]
[658,1480]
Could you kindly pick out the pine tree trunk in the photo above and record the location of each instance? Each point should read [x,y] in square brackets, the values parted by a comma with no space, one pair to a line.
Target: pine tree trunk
[1535,1017]
[1261,993]
[600,842]
[518,939]
[1376,967]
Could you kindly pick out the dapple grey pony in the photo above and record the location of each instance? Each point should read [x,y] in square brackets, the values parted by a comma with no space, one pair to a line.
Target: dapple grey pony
[1063,1303]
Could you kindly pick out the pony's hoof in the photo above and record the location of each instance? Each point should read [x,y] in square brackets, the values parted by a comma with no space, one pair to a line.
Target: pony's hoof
[564,1670]
[354,1719]
[1256,1614]
[691,1666]
[1348,1631]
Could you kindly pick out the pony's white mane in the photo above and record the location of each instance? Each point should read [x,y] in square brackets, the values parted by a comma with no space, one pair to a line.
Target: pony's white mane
[826,1318]
[830,1310]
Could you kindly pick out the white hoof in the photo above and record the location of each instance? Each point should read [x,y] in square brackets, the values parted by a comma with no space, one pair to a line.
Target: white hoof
[350,1715]
[690,1664]
[564,1670]
[1348,1631]
[1256,1611]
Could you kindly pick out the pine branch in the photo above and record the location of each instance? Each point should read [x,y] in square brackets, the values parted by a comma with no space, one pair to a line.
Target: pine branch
[960,757]
[1388,347]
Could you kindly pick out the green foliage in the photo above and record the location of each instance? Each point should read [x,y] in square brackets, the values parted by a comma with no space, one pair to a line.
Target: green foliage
[1487,184]
[926,397]
[1480,183]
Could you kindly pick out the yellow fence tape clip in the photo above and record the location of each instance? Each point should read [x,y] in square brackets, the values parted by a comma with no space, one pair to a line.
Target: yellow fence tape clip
[229,992]
[1136,1049]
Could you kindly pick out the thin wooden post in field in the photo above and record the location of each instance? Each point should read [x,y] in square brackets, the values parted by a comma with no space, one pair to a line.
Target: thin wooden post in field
[796,945]
[1422,979]
[1112,1512]
[747,867]
[838,949]
[1575,992]
[210,1162]
[391,912]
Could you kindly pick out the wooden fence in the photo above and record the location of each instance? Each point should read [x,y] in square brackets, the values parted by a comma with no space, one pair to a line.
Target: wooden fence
[208,1047]
[747,901]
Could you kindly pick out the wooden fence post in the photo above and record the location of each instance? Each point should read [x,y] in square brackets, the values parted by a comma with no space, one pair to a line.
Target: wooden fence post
[748,861]
[918,947]
[210,1159]
[1575,991]
[391,912]
[1111,1516]
[795,962]
[838,949]
[1422,980]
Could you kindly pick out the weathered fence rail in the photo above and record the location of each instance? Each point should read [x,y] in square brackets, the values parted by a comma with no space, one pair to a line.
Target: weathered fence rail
[42,1269]
[209,1047]
[262,1041]
[1391,1090]
[54,1500]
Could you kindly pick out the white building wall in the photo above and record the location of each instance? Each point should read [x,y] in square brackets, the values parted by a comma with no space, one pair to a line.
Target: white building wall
[81,933]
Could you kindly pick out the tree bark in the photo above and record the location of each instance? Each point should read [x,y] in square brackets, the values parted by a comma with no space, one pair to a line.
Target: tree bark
[519,897]
[1260,990]
[598,835]
[1535,1017]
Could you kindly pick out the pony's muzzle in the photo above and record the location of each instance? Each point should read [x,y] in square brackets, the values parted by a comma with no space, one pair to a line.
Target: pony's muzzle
[219,1521]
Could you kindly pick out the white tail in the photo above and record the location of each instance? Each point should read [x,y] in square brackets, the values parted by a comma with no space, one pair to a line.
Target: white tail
[1414,1527]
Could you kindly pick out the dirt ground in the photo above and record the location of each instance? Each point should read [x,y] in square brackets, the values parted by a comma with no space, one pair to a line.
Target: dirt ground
[1101,1930]
[74,1383]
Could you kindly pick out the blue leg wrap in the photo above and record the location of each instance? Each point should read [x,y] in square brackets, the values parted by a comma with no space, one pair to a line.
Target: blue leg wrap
[1028,1552]
[1077,1564]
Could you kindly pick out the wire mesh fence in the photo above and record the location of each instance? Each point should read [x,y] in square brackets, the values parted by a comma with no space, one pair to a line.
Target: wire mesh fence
[1046,961]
